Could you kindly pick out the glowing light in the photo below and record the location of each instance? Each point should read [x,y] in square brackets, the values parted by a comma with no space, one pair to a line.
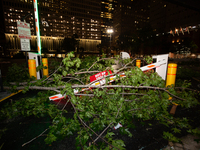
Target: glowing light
[110,31]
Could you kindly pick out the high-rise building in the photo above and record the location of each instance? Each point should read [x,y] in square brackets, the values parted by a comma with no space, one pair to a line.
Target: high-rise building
[180,19]
[107,9]
[58,19]
[167,15]
[130,16]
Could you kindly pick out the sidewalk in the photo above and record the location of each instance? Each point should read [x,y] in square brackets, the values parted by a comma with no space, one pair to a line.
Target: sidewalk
[188,144]
[7,94]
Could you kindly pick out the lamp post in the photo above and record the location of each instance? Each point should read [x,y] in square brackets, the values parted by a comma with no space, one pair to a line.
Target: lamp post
[110,31]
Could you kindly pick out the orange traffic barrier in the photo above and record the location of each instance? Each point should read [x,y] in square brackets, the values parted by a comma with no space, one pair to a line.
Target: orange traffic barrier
[45,64]
[171,74]
[32,68]
[138,63]
[171,78]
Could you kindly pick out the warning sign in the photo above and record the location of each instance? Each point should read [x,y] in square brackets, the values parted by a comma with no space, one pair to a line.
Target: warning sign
[25,44]
[24,30]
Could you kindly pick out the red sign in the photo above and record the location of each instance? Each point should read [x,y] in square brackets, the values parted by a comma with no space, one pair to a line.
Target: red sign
[24,30]
[99,75]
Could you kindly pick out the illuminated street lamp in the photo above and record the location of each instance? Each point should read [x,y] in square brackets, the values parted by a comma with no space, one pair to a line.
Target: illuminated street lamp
[110,31]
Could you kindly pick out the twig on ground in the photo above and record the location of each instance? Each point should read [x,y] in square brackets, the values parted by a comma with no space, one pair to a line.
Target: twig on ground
[35,137]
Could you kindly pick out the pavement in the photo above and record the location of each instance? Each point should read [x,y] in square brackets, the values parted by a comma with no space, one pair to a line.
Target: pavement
[188,143]
[6,94]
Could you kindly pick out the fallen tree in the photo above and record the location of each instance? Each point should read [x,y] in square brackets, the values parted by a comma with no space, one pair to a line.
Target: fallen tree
[97,109]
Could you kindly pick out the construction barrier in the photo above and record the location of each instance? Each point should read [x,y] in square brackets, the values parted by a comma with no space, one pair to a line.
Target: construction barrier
[171,74]
[45,64]
[32,68]
[138,63]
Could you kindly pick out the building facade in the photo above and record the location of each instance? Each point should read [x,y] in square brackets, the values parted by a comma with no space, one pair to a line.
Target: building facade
[107,9]
[166,16]
[58,19]
[129,16]
[180,20]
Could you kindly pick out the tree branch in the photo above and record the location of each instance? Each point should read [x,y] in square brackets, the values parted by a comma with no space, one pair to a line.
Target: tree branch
[90,128]
[35,137]
[98,61]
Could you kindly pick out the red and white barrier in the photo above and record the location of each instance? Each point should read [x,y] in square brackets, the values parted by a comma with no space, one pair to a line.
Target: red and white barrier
[160,65]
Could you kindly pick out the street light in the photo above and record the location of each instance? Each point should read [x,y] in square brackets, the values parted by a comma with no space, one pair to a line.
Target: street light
[110,31]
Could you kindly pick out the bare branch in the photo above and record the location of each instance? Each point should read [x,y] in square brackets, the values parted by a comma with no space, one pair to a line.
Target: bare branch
[36,88]
[86,72]
[128,86]
[35,137]
[103,131]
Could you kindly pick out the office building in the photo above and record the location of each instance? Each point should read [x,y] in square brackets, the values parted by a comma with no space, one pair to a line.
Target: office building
[179,19]
[58,19]
[130,16]
[107,9]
